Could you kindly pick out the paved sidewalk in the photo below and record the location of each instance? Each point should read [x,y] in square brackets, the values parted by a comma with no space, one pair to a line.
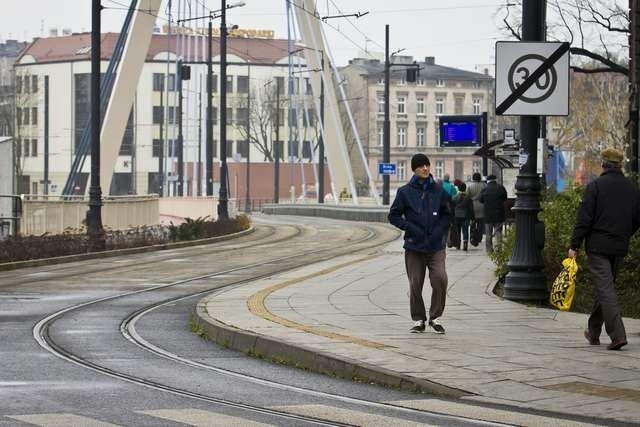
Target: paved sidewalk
[350,317]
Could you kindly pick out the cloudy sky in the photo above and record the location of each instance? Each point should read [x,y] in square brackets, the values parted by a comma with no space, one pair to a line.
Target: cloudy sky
[459,33]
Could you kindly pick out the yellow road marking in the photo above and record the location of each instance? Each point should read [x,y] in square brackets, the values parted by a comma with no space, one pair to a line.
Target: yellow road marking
[256,304]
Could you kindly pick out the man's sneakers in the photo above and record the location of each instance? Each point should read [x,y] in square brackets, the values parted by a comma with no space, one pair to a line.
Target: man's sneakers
[436,326]
[417,327]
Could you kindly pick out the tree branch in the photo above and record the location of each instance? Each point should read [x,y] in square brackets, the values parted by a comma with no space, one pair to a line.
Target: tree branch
[613,67]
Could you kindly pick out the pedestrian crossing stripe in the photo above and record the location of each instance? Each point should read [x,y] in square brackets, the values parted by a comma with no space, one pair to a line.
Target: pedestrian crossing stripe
[200,418]
[60,420]
[347,416]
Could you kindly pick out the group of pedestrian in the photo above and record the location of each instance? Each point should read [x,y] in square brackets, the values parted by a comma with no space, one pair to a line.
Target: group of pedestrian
[478,209]
[425,209]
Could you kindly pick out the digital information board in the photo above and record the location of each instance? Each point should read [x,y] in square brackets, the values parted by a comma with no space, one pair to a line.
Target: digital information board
[460,131]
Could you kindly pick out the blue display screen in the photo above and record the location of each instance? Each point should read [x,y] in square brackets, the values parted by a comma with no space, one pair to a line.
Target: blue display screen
[460,132]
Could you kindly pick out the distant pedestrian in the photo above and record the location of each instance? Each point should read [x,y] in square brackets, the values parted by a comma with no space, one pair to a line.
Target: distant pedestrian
[448,186]
[422,209]
[474,188]
[463,212]
[607,218]
[493,197]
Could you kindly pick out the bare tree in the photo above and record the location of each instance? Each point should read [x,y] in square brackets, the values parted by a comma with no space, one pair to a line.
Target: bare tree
[598,31]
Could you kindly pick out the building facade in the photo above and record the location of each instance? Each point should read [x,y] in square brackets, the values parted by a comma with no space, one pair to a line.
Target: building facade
[414,112]
[257,68]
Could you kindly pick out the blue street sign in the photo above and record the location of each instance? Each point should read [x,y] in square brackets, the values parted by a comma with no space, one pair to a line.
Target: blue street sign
[387,168]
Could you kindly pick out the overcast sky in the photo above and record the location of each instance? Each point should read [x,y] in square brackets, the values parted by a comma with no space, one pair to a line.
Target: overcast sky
[459,33]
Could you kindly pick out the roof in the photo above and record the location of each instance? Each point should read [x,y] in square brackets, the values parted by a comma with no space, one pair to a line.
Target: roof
[427,70]
[77,47]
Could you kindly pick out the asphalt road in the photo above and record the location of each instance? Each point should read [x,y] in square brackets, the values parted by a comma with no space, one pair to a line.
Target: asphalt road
[107,342]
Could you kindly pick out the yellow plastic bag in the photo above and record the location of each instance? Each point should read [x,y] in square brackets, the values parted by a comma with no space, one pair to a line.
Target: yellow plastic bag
[564,287]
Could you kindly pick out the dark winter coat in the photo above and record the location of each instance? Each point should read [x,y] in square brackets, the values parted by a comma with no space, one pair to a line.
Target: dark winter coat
[423,212]
[493,197]
[463,206]
[608,215]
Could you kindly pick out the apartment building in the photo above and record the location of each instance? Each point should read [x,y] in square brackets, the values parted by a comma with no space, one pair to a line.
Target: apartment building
[414,112]
[256,66]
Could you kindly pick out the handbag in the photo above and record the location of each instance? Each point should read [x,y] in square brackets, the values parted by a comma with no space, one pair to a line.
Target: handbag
[564,287]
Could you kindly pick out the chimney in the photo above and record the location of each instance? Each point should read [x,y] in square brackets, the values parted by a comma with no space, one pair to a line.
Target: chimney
[430,60]
[53,32]
[486,71]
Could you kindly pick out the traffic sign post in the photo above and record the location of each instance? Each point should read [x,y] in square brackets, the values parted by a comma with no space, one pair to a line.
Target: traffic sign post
[532,78]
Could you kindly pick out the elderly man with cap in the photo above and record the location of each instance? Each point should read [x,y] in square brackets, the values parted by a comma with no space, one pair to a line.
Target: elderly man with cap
[607,218]
[492,198]
[422,210]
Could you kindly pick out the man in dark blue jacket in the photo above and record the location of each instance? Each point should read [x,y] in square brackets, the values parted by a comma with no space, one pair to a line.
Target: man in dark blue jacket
[607,218]
[422,210]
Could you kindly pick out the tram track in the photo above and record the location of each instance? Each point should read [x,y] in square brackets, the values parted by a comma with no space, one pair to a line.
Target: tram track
[41,330]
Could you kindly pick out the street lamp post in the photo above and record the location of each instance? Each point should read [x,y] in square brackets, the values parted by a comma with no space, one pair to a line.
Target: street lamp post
[525,280]
[94,215]
[223,200]
[276,168]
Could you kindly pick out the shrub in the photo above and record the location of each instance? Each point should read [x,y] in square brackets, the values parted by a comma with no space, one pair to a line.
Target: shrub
[558,215]
[72,242]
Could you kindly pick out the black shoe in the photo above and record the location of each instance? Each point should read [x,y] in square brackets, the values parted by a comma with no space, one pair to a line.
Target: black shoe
[417,327]
[436,326]
[465,247]
[617,344]
[592,340]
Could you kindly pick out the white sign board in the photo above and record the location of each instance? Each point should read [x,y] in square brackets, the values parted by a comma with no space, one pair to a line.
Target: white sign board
[548,95]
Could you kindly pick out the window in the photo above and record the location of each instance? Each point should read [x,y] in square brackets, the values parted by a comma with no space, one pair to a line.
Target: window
[242,148]
[476,84]
[158,115]
[309,89]
[19,116]
[158,82]
[380,104]
[402,81]
[278,148]
[420,132]
[293,150]
[229,116]
[437,127]
[458,104]
[214,83]
[439,169]
[229,149]
[401,104]
[439,105]
[280,85]
[402,136]
[439,83]
[34,188]
[26,145]
[420,82]
[215,149]
[25,116]
[475,166]
[34,84]
[34,116]
[242,116]
[380,134]
[380,80]
[420,106]
[27,84]
[311,116]
[34,147]
[476,106]
[229,84]
[18,84]
[402,168]
[243,84]
[306,149]
[156,148]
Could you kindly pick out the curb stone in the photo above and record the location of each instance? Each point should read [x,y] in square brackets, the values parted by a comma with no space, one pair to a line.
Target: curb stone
[263,347]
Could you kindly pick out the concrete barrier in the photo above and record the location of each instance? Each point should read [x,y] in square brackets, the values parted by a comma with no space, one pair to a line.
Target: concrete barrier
[343,212]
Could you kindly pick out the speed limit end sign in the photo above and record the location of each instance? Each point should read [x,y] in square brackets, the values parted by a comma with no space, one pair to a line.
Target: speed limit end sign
[532,78]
